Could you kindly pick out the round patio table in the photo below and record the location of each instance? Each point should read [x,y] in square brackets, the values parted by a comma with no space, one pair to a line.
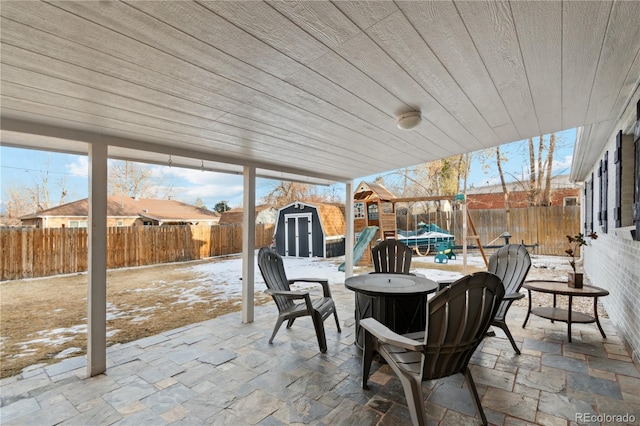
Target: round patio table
[398,301]
[565,315]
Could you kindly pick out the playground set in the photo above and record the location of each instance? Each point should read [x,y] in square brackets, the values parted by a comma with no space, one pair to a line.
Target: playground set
[375,220]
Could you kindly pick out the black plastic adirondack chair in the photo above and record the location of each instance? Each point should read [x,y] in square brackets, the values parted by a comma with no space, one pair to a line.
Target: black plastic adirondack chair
[511,263]
[272,270]
[392,257]
[458,318]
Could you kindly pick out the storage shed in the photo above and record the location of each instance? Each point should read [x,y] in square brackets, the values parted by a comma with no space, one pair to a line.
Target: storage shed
[310,230]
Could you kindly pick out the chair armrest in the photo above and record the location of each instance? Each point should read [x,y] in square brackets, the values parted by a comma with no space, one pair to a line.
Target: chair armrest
[322,281]
[288,294]
[308,280]
[513,296]
[294,295]
[385,335]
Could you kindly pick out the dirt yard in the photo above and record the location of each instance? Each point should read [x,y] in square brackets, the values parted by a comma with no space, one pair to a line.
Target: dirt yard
[44,320]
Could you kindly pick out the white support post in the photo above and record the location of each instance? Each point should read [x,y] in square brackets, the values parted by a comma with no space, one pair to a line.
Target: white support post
[464,238]
[97,261]
[350,234]
[248,243]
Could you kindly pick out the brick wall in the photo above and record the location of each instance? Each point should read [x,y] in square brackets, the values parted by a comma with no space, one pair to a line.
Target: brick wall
[613,263]
[518,199]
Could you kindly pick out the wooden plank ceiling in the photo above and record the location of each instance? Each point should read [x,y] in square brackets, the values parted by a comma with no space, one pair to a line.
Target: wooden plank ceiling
[310,88]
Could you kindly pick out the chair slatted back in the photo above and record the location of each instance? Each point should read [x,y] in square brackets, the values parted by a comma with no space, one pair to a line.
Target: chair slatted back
[272,269]
[392,257]
[511,263]
[457,321]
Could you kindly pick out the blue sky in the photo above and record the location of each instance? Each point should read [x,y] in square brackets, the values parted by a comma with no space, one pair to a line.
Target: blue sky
[27,168]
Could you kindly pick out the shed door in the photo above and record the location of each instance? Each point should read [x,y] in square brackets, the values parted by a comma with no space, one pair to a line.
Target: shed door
[298,235]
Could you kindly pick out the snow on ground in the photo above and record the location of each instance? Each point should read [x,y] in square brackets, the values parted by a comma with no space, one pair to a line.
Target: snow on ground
[223,280]
[224,277]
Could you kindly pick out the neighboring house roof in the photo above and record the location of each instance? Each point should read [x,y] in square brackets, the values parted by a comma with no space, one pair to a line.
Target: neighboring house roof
[372,190]
[234,216]
[123,206]
[557,182]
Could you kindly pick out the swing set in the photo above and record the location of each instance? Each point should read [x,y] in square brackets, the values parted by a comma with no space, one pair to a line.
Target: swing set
[435,237]
[375,206]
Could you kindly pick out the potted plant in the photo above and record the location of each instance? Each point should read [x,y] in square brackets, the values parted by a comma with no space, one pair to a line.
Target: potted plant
[575,277]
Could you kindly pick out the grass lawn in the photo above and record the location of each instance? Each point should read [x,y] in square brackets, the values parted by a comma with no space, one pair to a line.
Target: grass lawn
[41,319]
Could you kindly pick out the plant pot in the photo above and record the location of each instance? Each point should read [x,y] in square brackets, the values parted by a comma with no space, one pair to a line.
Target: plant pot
[575,279]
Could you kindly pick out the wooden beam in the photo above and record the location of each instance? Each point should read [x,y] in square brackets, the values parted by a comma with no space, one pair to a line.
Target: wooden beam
[430,198]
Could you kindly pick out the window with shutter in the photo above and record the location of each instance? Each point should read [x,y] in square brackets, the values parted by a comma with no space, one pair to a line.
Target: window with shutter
[600,194]
[605,192]
[585,197]
[636,196]
[588,206]
[617,159]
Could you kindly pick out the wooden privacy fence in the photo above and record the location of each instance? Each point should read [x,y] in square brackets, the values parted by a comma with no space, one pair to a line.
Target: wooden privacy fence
[31,253]
[547,226]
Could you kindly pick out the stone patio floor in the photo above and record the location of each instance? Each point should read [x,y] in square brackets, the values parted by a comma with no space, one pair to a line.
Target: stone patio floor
[224,372]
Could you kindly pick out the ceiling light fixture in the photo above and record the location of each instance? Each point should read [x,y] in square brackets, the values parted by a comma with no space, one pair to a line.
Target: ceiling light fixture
[409,120]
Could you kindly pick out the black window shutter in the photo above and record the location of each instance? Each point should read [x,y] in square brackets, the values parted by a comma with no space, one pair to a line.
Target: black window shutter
[600,195]
[588,206]
[585,195]
[617,159]
[605,193]
[636,196]
[591,203]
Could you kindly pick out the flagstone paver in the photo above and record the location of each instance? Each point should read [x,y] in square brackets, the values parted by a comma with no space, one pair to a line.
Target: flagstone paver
[549,381]
[223,372]
[511,403]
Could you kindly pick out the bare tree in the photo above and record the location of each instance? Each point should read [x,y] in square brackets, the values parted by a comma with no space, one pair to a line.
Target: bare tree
[17,205]
[546,196]
[532,174]
[285,192]
[332,194]
[539,190]
[23,199]
[440,177]
[462,172]
[540,169]
[505,189]
[131,179]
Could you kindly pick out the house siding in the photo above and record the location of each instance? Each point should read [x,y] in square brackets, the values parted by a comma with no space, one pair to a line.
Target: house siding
[613,260]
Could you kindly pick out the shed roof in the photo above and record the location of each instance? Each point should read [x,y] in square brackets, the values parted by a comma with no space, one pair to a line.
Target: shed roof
[333,218]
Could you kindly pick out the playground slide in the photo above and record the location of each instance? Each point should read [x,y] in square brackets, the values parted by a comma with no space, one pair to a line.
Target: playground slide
[362,244]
